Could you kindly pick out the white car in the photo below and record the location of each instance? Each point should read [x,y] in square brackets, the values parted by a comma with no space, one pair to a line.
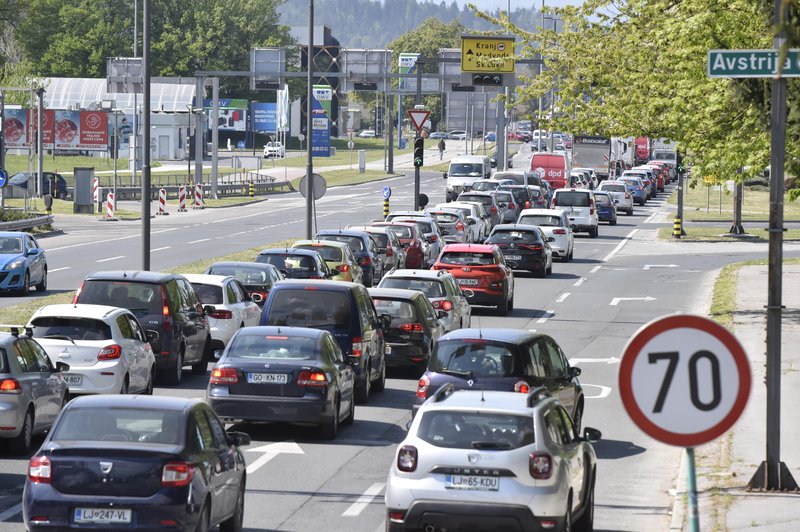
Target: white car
[274,150]
[623,200]
[233,307]
[106,348]
[481,459]
[555,224]
[580,207]
[366,134]
[478,229]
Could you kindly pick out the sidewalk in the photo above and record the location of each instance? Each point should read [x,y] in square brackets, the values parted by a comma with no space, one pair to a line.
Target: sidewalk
[725,466]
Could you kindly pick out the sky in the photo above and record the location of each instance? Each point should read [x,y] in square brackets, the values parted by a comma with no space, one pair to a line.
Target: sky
[503,4]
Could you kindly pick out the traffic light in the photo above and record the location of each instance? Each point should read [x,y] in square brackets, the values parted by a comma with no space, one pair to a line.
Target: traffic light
[487,79]
[419,151]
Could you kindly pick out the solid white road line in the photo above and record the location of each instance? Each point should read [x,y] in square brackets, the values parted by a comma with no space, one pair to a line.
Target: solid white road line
[198,241]
[619,246]
[562,297]
[579,281]
[547,315]
[111,258]
[59,269]
[595,269]
[650,218]
[11,512]
[357,507]
[160,249]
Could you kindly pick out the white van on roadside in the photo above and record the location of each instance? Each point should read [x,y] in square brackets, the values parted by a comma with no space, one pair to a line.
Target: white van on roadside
[463,171]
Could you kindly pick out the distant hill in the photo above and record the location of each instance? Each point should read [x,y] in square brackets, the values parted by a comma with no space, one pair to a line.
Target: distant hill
[374,24]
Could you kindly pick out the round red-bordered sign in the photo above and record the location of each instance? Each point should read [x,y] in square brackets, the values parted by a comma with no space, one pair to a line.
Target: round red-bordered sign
[684,380]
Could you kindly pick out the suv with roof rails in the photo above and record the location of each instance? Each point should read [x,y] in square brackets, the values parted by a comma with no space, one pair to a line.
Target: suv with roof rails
[491,460]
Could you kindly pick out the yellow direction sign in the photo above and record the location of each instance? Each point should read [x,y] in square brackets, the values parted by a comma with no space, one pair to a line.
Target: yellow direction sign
[488,55]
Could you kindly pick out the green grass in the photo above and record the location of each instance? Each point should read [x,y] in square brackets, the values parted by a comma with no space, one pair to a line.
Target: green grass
[348,177]
[755,204]
[714,234]
[65,207]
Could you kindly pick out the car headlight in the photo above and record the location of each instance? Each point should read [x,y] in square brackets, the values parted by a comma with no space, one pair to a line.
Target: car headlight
[16,263]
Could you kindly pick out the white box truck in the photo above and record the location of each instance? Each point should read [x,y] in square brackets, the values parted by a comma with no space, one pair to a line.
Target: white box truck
[593,152]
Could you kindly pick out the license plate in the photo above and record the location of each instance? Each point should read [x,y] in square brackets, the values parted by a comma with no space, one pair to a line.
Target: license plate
[73,380]
[514,257]
[102,515]
[468,282]
[472,482]
[267,378]
[388,350]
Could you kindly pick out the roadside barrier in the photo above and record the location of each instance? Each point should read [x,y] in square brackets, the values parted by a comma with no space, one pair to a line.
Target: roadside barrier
[198,196]
[181,198]
[162,202]
[110,206]
[95,190]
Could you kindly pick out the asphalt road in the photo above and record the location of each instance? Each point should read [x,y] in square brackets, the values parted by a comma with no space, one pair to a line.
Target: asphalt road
[591,306]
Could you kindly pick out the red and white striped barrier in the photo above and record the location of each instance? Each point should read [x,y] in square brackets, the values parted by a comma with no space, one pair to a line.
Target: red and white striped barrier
[182,198]
[198,196]
[95,191]
[162,202]
[110,205]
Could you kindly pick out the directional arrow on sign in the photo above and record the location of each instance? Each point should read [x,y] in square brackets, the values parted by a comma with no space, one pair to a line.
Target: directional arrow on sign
[270,451]
[616,300]
[609,360]
[648,266]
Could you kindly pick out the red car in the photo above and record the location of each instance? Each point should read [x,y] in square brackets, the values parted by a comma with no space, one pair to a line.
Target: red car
[411,239]
[662,172]
[482,274]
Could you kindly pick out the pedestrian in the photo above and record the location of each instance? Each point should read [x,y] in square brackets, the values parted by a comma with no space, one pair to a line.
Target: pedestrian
[441,149]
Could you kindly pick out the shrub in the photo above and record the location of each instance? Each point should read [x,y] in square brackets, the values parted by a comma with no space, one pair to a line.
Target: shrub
[794,194]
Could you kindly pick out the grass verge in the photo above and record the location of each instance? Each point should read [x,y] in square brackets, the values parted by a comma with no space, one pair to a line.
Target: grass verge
[715,234]
[348,177]
[705,203]
[65,207]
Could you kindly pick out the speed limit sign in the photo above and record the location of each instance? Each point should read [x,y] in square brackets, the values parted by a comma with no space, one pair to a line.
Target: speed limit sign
[684,380]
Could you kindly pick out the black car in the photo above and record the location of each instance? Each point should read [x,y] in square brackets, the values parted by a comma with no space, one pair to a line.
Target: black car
[132,462]
[503,360]
[414,329]
[524,247]
[296,263]
[165,302]
[345,310]
[509,159]
[364,248]
[522,196]
[52,183]
[289,374]
[256,277]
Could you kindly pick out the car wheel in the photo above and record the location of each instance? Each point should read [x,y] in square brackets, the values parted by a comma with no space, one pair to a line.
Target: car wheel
[176,375]
[568,516]
[549,270]
[23,290]
[62,195]
[362,392]
[541,273]
[123,390]
[351,415]
[511,302]
[593,232]
[586,521]
[502,307]
[630,212]
[380,384]
[201,367]
[22,443]
[203,523]
[150,382]
[42,286]
[330,428]
[234,523]
[613,221]
[577,419]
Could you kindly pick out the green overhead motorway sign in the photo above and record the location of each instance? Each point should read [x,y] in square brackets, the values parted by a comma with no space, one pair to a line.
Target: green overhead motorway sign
[752,64]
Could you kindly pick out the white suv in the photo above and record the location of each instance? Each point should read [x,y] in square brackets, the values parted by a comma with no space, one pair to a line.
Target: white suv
[623,200]
[492,460]
[579,205]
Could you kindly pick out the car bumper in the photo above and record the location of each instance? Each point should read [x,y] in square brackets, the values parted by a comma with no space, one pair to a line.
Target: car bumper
[583,228]
[452,515]
[12,415]
[12,279]
[482,297]
[527,262]
[606,216]
[102,378]
[306,409]
[404,355]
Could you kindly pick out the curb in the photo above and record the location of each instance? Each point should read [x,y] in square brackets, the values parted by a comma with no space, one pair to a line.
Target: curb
[678,493]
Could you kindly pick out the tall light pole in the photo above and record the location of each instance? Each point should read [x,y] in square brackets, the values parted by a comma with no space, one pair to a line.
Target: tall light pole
[309,96]
[146,143]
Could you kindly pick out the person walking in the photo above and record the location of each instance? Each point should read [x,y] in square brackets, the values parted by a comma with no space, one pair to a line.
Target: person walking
[441,149]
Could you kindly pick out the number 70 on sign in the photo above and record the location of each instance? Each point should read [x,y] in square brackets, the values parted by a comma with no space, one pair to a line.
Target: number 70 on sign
[684,380]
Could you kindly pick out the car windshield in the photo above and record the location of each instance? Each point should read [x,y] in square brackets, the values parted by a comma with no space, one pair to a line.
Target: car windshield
[467,258]
[310,308]
[506,236]
[10,245]
[474,358]
[74,328]
[355,242]
[544,220]
[399,310]
[246,275]
[466,169]
[209,294]
[140,298]
[273,347]
[476,430]
[134,426]
[329,253]
[429,287]
[572,199]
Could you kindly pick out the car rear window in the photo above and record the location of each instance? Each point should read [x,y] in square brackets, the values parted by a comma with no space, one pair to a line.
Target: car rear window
[329,253]
[613,188]
[246,275]
[602,199]
[355,243]
[483,200]
[400,311]
[140,298]
[520,194]
[572,199]
[510,235]
[382,239]
[485,185]
[476,430]
[288,261]
[310,308]
[133,426]
[502,197]
[429,287]
[400,231]
[467,258]
[71,327]
[425,227]
[445,217]
[474,358]
[544,220]
[273,347]
[209,294]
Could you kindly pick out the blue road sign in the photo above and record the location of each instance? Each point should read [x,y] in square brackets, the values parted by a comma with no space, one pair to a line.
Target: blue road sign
[387,192]
[4,178]
[240,145]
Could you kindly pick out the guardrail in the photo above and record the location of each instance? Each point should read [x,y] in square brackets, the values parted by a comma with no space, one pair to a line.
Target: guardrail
[262,185]
[26,224]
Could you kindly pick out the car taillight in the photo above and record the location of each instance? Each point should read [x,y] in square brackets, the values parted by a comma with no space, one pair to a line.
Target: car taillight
[639,188]
[512,206]
[261,293]
[110,352]
[77,293]
[344,268]
[39,470]
[221,314]
[527,204]
[410,327]
[407,458]
[493,210]
[364,261]
[224,376]
[166,321]
[559,231]
[534,247]
[176,474]
[434,238]
[312,378]
[389,252]
[591,206]
[10,386]
[459,226]
[522,387]
[627,196]
[540,466]
[422,386]
[443,305]
[357,346]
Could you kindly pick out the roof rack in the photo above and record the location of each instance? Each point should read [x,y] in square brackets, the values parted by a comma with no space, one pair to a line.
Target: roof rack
[537,394]
[15,329]
[444,392]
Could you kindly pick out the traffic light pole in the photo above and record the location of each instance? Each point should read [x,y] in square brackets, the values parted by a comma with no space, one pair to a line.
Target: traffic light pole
[418,101]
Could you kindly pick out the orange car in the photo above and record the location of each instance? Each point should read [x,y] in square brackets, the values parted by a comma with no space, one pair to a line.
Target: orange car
[482,274]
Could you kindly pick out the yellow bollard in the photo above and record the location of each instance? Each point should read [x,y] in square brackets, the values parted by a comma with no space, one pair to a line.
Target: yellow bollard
[385,208]
[677,228]
[252,189]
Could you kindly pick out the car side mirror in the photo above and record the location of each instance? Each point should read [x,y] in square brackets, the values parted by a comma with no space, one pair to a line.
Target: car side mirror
[382,251]
[444,175]
[573,227]
[472,221]
[256,298]
[62,367]
[209,309]
[238,439]
[33,251]
[591,434]
[574,372]
[441,314]
[152,336]
[354,360]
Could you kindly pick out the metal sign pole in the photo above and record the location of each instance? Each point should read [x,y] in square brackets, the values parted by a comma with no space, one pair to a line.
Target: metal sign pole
[309,96]
[418,101]
[691,481]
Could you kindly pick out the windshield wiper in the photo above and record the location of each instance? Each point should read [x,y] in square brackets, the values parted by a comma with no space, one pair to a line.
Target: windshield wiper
[491,445]
[58,337]
[456,373]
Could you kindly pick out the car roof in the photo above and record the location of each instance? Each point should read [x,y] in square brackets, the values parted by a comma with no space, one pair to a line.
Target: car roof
[477,193]
[243,264]
[360,233]
[283,330]
[133,276]
[516,227]
[395,293]
[321,243]
[549,212]
[475,248]
[315,284]
[556,191]
[498,334]
[483,401]
[421,274]
[146,402]
[14,234]
[292,251]
[77,309]
[201,278]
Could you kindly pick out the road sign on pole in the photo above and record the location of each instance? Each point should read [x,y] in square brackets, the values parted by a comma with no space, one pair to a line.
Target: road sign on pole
[752,64]
[487,54]
[684,380]
[418,117]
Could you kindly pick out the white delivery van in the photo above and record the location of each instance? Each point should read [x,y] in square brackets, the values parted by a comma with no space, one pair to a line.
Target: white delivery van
[463,171]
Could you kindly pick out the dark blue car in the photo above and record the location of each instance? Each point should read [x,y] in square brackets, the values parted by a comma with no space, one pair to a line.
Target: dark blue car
[606,210]
[133,462]
[22,263]
[364,248]
[502,360]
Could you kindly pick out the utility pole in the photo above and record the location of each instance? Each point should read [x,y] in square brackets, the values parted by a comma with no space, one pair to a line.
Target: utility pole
[418,102]
[309,96]
[146,143]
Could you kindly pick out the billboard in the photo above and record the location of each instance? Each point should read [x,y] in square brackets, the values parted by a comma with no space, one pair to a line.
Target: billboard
[265,117]
[320,120]
[64,130]
[232,114]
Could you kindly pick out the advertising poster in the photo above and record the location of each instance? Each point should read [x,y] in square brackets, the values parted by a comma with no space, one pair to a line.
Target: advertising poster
[68,130]
[265,117]
[15,128]
[232,114]
[320,124]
